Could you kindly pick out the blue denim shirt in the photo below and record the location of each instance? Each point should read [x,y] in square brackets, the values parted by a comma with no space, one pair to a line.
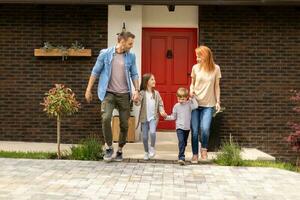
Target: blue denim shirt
[102,69]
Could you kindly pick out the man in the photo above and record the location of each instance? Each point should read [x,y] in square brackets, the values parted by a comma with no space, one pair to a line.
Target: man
[115,66]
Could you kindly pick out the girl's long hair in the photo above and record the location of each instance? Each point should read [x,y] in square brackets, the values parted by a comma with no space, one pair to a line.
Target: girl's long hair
[208,62]
[146,77]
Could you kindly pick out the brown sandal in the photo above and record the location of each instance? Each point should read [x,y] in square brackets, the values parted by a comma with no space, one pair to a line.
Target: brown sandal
[204,154]
[194,159]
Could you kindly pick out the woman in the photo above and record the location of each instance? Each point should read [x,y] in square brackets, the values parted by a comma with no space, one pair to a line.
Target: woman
[205,86]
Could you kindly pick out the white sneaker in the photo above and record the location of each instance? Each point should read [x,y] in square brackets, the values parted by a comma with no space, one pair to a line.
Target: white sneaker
[151,152]
[146,156]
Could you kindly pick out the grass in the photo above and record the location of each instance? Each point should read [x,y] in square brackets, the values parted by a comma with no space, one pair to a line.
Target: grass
[273,164]
[89,149]
[230,156]
[261,163]
[28,155]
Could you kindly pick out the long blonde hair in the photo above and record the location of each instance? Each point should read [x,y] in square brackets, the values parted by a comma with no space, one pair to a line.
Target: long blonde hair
[208,62]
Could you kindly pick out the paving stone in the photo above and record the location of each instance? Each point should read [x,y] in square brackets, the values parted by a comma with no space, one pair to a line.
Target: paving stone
[24,179]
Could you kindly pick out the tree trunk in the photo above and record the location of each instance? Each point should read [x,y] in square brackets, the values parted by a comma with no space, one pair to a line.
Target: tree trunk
[58,137]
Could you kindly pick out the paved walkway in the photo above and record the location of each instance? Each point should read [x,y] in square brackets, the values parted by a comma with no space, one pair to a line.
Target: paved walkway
[22,179]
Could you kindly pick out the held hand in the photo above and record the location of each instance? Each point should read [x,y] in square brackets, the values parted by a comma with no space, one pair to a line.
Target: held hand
[163,114]
[136,96]
[88,96]
[218,107]
[192,94]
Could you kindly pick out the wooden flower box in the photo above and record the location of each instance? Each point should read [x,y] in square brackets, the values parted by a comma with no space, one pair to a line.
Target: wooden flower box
[58,52]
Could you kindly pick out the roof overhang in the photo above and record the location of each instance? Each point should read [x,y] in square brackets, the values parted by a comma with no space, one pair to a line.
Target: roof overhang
[156,2]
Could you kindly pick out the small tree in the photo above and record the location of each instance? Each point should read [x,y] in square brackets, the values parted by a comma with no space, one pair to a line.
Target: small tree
[294,137]
[60,101]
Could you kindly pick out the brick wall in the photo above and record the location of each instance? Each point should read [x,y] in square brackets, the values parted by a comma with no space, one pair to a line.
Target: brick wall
[24,78]
[258,50]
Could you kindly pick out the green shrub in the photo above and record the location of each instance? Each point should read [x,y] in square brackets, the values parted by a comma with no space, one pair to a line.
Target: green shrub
[89,149]
[230,155]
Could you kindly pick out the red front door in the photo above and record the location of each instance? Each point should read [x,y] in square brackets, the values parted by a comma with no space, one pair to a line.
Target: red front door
[169,54]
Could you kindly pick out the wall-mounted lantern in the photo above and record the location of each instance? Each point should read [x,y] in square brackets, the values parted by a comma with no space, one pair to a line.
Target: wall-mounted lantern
[127,7]
[171,8]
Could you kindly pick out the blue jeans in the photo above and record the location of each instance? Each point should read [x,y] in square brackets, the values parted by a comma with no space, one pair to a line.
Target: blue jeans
[201,119]
[149,127]
[182,136]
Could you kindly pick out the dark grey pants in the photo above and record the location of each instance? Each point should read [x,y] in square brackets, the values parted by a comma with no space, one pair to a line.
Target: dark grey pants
[109,103]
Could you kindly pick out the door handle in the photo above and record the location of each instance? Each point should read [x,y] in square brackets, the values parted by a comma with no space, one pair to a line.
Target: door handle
[169,54]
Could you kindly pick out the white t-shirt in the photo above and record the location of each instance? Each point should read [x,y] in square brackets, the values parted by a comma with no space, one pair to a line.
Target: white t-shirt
[150,102]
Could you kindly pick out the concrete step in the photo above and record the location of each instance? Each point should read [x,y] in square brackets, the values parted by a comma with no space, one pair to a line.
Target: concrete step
[159,146]
[169,151]
[165,150]
[167,136]
[255,154]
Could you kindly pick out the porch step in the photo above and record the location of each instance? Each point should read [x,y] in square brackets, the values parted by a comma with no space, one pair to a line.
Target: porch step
[255,154]
[165,150]
[169,151]
[168,137]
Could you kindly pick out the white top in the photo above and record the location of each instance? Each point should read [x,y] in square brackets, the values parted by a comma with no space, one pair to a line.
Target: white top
[150,102]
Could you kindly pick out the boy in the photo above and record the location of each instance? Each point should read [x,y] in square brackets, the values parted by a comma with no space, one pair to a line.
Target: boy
[182,114]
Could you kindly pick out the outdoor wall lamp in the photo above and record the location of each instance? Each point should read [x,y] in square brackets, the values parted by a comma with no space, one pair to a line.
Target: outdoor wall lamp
[124,27]
[127,7]
[171,8]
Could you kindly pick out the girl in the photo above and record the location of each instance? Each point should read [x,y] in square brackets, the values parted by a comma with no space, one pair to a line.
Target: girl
[151,104]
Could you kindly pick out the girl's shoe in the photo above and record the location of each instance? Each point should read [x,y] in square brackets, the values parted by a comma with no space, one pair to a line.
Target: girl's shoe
[204,154]
[146,156]
[151,152]
[194,159]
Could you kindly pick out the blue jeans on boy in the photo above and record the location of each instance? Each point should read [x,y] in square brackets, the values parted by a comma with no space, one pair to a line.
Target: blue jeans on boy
[201,119]
[149,127]
[182,136]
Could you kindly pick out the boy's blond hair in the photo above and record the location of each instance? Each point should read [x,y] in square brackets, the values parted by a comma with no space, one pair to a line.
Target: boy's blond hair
[182,92]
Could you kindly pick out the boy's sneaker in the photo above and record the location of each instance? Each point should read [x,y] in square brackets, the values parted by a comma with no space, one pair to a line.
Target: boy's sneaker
[108,154]
[151,152]
[119,156]
[146,156]
[181,162]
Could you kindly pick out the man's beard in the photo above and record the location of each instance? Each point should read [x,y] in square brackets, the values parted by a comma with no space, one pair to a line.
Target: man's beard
[126,50]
